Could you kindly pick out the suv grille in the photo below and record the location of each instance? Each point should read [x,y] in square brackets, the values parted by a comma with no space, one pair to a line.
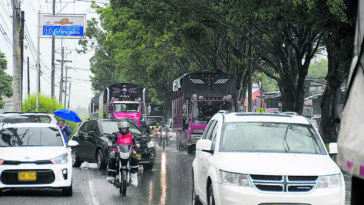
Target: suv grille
[277,183]
[43,177]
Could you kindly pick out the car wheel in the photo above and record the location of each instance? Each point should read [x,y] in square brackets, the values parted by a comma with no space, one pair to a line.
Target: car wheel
[195,199]
[76,162]
[148,166]
[190,149]
[67,191]
[101,165]
[210,196]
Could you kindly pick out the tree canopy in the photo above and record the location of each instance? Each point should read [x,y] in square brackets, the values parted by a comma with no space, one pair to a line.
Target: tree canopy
[153,42]
[5,80]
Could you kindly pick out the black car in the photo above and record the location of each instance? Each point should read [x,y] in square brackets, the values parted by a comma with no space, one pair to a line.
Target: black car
[93,136]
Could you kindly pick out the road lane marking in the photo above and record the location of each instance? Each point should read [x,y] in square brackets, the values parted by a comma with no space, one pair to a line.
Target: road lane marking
[93,193]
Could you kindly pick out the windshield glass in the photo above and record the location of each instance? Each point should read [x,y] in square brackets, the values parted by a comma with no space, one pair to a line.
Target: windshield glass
[30,136]
[127,107]
[204,110]
[110,127]
[270,137]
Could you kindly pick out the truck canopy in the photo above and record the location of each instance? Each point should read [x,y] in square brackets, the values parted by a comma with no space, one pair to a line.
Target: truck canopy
[122,92]
[207,84]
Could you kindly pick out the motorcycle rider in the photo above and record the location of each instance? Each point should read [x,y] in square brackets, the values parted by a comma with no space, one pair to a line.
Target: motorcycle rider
[163,128]
[144,127]
[123,137]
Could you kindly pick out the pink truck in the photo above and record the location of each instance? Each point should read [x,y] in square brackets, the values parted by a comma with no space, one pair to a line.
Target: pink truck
[122,100]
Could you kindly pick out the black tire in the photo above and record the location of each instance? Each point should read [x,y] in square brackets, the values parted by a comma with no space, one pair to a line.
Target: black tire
[100,160]
[67,191]
[164,143]
[190,149]
[177,143]
[195,199]
[123,188]
[76,162]
[148,166]
[210,196]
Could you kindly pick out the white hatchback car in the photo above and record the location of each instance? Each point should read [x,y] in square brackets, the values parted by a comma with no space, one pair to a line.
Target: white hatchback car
[34,155]
[264,159]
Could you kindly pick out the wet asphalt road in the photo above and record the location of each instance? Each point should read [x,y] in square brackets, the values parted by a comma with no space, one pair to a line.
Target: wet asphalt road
[168,183]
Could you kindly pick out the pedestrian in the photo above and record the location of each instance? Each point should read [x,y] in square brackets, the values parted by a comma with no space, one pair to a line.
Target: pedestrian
[66,131]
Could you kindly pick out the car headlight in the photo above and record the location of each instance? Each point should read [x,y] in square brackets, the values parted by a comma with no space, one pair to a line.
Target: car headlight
[330,181]
[61,159]
[124,155]
[150,144]
[234,178]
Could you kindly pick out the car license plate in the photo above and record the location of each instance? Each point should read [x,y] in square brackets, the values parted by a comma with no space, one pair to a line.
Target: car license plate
[27,176]
[139,156]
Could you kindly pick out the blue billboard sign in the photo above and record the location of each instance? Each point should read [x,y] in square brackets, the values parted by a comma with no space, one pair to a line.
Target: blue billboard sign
[74,30]
[68,26]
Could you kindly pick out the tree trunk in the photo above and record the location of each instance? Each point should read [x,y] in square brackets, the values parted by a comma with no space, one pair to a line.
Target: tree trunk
[330,100]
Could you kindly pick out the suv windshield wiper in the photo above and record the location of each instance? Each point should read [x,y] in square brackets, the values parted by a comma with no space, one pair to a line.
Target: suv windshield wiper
[285,144]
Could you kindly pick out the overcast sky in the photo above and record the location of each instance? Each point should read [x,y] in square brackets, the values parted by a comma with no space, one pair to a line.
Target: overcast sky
[79,73]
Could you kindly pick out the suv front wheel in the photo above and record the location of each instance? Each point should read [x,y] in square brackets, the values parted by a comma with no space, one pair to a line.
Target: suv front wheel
[76,162]
[100,160]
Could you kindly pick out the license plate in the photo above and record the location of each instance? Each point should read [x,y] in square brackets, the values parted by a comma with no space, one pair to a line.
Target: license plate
[27,176]
[139,156]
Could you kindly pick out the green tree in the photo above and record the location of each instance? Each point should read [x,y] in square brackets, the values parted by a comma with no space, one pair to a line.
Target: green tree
[5,80]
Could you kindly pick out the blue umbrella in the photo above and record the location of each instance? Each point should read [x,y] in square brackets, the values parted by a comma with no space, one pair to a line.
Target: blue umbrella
[67,115]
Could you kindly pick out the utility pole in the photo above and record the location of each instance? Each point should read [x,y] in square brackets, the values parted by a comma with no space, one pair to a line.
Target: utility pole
[28,83]
[38,64]
[16,57]
[65,89]
[21,42]
[250,79]
[61,82]
[69,96]
[53,66]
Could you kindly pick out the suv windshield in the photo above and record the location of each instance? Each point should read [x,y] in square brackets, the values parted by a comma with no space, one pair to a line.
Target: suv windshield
[30,136]
[270,137]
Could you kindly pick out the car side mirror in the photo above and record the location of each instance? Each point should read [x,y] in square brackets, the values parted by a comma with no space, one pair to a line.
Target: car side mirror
[72,143]
[333,148]
[204,145]
[92,133]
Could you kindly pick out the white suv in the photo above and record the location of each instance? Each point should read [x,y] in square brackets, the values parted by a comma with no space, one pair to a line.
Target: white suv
[34,155]
[264,159]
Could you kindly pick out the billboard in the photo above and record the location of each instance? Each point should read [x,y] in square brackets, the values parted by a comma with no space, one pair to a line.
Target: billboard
[66,26]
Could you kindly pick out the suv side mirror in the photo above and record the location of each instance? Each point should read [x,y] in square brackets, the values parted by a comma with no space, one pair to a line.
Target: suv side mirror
[204,145]
[92,133]
[72,143]
[333,148]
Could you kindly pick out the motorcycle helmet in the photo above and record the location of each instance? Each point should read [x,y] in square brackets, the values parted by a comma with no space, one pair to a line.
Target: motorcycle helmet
[123,127]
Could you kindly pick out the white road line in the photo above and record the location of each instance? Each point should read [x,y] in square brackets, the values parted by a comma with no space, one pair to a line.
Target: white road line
[93,193]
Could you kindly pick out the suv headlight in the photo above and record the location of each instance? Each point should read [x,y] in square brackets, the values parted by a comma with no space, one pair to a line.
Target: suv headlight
[234,178]
[150,144]
[61,159]
[330,181]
